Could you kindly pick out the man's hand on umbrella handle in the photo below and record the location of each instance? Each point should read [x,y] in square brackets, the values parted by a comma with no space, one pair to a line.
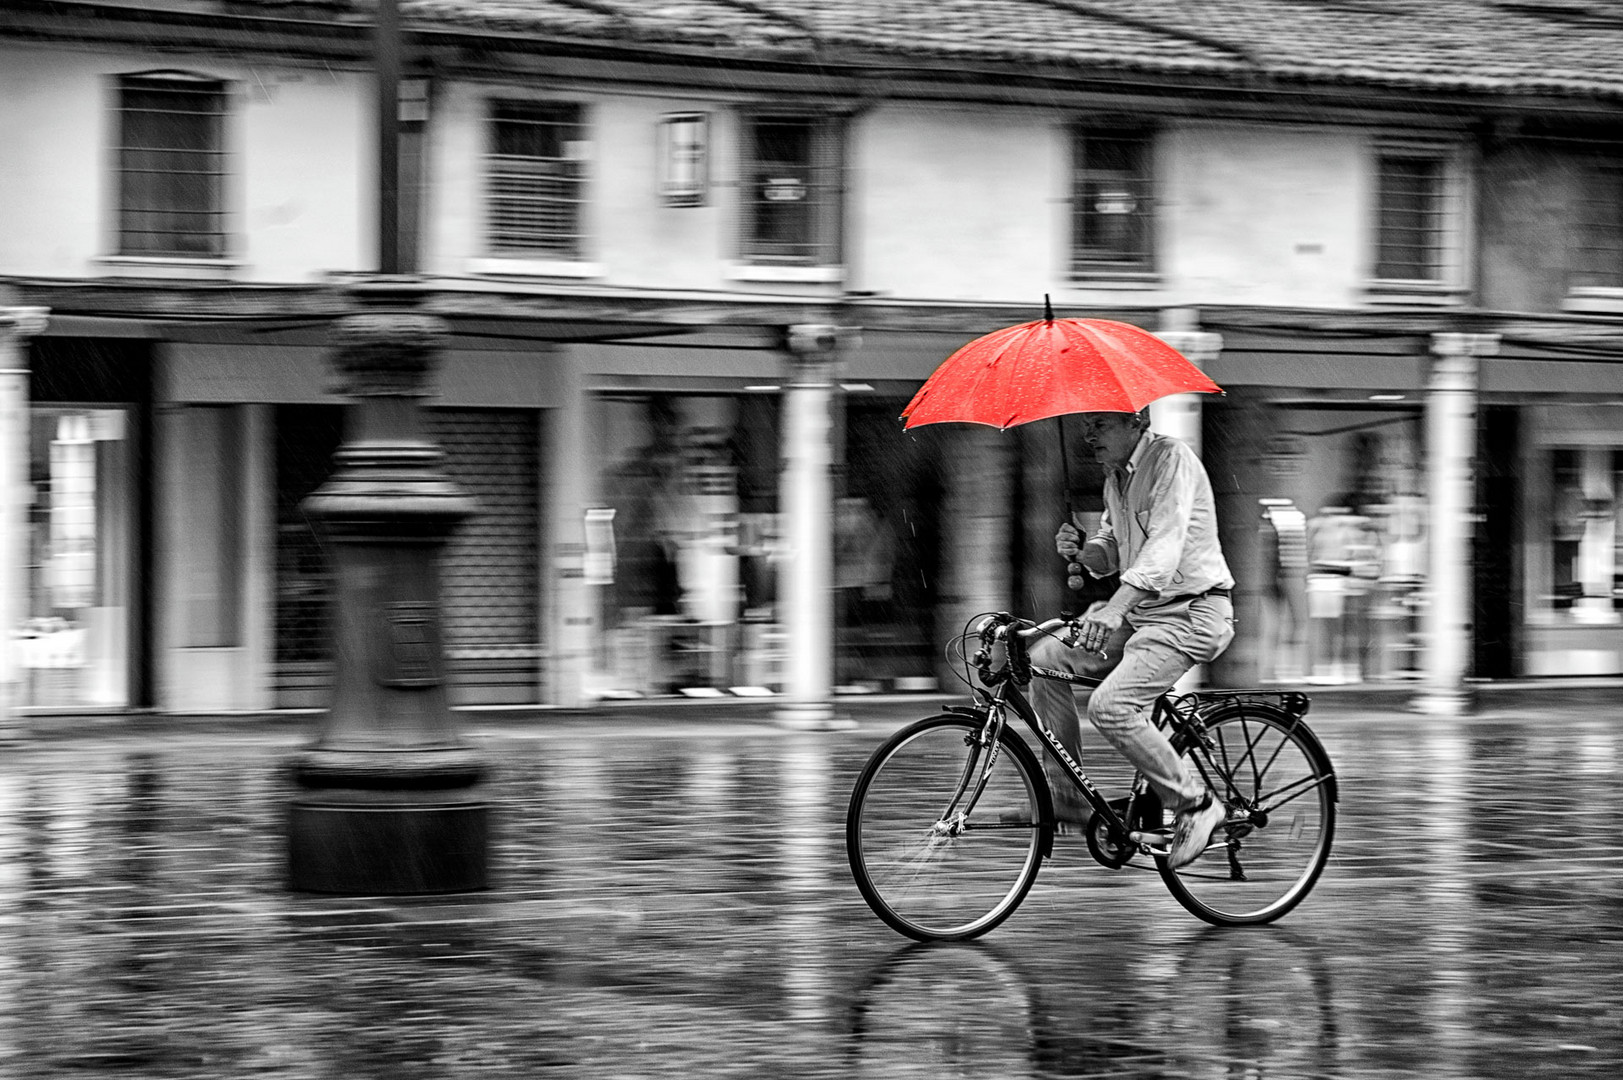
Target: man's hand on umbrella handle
[1068,542]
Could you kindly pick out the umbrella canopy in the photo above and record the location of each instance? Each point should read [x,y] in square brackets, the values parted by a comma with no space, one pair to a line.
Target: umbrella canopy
[1052,367]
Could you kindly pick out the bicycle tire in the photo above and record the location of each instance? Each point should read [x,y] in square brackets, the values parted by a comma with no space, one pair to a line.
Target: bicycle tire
[928,871]
[1277,780]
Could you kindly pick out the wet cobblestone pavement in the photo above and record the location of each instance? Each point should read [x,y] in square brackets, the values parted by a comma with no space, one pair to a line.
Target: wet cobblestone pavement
[672,899]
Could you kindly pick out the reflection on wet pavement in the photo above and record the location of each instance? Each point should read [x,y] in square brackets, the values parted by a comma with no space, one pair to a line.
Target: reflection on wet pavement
[677,903]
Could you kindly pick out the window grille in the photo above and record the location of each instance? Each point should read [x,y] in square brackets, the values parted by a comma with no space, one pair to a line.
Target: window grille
[171,166]
[1600,227]
[1112,202]
[537,179]
[1416,215]
[792,169]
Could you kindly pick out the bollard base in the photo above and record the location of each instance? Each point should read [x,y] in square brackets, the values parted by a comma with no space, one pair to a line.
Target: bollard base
[812,716]
[379,849]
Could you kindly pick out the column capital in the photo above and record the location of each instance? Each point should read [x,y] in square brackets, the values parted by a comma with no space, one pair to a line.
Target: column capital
[387,353]
[1456,344]
[24,321]
[820,341]
[1455,356]
[1199,347]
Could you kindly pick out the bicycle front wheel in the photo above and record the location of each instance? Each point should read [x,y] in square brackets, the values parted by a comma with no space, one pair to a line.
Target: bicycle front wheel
[938,856]
[1276,779]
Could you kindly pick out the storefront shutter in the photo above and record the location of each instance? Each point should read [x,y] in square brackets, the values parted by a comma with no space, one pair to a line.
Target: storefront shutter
[490,580]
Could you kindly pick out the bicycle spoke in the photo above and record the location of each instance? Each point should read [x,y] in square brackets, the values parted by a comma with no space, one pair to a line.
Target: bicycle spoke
[934,876]
[1272,800]
[1282,817]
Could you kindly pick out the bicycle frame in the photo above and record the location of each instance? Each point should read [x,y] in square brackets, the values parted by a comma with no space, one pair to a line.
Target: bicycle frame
[1006,696]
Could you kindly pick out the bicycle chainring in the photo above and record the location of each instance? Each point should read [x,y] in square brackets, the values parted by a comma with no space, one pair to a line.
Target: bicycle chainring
[1106,847]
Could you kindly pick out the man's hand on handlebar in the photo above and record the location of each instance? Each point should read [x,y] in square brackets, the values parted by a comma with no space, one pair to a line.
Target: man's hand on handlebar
[1095,628]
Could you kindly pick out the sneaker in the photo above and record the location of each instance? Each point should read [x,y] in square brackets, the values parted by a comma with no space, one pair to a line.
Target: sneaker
[1194,831]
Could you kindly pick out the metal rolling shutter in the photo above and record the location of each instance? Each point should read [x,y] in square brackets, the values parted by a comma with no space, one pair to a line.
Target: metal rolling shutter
[490,573]
[490,577]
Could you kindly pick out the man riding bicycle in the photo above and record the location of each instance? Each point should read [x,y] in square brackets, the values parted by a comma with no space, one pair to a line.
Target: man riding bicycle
[1171,611]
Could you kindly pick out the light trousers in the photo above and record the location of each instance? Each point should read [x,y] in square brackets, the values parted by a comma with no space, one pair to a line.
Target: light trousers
[1161,641]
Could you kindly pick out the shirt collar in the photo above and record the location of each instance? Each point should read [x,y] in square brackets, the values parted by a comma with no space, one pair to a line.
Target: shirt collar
[1136,458]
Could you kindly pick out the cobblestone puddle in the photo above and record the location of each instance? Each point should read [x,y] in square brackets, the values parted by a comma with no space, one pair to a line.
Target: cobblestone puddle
[676,903]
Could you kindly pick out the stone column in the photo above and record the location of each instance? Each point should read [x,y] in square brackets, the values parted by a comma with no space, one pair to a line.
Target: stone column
[1450,449]
[391,801]
[17,325]
[806,498]
[1180,416]
[977,527]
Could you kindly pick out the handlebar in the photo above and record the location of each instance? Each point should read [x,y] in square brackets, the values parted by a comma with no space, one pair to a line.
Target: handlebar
[1014,633]
[996,627]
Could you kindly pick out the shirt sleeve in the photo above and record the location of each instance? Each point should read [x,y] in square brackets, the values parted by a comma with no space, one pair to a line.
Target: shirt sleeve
[1170,505]
[1103,549]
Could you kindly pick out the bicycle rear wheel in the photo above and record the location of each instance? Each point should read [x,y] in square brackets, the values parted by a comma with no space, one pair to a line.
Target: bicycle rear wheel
[1281,793]
[934,861]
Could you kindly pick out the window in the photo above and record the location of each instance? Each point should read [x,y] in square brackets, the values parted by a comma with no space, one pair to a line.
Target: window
[537,179]
[792,189]
[1418,214]
[1112,202]
[1599,263]
[1586,533]
[171,166]
[684,165]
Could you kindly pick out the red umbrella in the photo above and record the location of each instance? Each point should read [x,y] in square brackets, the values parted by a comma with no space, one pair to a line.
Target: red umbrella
[1052,367]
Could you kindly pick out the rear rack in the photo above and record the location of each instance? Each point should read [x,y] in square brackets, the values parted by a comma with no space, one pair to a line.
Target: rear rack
[1293,703]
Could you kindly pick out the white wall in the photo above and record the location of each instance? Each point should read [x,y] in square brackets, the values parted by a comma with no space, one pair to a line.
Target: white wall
[53,127]
[1255,214]
[960,203]
[636,239]
[297,147]
[955,203]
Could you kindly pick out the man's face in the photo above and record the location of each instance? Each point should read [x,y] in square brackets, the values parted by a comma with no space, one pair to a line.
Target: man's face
[1112,435]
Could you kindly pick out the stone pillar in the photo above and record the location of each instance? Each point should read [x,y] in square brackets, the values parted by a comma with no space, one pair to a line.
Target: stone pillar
[391,801]
[977,526]
[1450,449]
[1180,416]
[17,325]
[806,497]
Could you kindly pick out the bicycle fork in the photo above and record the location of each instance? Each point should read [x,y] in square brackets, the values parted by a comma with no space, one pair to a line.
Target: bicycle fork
[978,766]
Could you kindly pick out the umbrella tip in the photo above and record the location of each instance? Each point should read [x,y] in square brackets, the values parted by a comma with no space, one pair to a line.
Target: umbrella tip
[1048,309]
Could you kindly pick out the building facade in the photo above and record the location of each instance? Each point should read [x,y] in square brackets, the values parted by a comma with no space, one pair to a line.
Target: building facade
[1404,266]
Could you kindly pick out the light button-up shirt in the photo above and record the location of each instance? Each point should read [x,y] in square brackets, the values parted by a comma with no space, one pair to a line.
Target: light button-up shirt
[1159,529]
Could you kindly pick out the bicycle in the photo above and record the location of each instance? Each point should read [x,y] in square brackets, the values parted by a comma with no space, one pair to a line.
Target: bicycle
[935,866]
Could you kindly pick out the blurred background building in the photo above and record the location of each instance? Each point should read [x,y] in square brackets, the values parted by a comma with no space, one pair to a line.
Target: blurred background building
[1391,229]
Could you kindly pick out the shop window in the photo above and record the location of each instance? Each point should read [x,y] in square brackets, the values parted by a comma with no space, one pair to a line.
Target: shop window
[73,648]
[792,190]
[536,176]
[1599,254]
[1418,196]
[1112,202]
[171,166]
[1586,526]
